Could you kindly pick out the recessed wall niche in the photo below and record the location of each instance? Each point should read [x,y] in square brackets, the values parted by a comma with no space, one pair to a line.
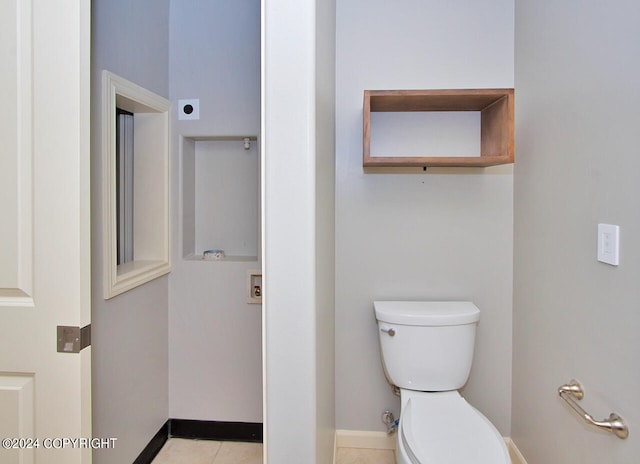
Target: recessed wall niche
[221,197]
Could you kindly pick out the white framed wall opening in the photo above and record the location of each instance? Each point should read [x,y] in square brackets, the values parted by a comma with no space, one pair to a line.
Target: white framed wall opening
[136,188]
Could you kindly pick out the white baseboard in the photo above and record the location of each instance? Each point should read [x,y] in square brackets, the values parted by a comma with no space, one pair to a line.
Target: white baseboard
[514,452]
[381,440]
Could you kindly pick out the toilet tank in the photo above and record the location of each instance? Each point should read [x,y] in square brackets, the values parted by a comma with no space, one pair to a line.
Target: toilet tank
[427,345]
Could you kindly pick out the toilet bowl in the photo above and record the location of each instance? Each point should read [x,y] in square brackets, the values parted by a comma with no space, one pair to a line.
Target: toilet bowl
[442,428]
[427,351]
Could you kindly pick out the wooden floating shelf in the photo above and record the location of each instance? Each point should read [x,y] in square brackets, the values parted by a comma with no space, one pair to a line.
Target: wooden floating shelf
[496,123]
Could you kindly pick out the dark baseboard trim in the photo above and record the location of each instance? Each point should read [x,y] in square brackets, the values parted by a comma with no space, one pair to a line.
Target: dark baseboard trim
[250,432]
[215,430]
[155,445]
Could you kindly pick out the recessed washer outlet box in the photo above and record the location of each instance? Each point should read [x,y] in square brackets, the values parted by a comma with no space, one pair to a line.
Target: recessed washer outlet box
[189,109]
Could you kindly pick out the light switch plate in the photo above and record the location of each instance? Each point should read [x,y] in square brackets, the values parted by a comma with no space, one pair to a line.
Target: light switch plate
[609,244]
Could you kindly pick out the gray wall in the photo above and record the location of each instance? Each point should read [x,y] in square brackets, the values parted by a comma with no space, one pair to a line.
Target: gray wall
[215,337]
[446,234]
[129,332]
[577,165]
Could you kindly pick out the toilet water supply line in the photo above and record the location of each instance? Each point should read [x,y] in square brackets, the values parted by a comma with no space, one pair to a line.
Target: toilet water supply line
[390,421]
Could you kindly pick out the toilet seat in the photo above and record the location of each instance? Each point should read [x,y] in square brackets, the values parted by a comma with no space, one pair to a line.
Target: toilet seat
[442,428]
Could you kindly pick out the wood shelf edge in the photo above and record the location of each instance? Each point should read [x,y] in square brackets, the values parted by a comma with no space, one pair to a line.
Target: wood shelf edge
[431,161]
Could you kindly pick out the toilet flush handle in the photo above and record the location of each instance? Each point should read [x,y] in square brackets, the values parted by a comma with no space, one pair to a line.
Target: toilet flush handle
[391,331]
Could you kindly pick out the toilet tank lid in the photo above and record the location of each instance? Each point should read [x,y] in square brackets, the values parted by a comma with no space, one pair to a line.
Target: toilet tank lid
[427,313]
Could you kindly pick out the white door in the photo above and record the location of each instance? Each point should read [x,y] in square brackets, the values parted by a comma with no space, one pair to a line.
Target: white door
[44,229]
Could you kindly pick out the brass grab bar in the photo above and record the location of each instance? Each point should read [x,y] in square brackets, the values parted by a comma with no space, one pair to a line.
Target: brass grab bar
[614,424]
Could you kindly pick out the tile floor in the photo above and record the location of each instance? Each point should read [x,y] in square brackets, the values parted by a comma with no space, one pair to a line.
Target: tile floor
[181,451]
[364,456]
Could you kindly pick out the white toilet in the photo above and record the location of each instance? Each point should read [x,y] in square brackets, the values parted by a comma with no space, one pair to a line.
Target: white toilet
[427,351]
